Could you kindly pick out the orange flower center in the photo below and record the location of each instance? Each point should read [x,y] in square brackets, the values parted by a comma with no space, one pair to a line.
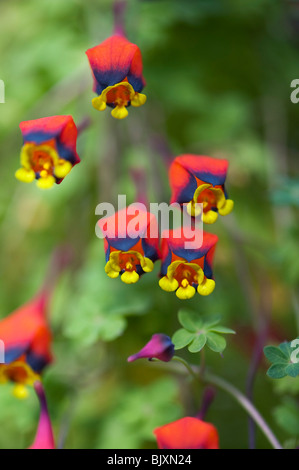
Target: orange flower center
[119,95]
[41,161]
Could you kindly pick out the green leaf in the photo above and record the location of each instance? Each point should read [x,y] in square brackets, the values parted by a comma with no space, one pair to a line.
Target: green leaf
[190,320]
[287,416]
[222,329]
[216,342]
[293,369]
[198,343]
[182,338]
[275,355]
[277,371]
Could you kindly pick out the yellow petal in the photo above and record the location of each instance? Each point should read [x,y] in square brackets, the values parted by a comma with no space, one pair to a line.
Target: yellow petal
[169,285]
[198,270]
[138,100]
[200,189]
[24,175]
[209,217]
[227,207]
[20,391]
[148,265]
[119,112]
[184,293]
[110,271]
[98,103]
[62,169]
[206,287]
[172,268]
[130,277]
[192,209]
[114,260]
[219,195]
[46,182]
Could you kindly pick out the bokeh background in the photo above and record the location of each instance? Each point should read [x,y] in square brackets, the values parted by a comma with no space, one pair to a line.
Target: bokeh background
[218,83]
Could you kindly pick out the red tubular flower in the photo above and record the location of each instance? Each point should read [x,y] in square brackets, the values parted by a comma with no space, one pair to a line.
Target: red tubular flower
[160,347]
[187,433]
[129,255]
[49,150]
[44,438]
[187,270]
[199,179]
[27,339]
[116,66]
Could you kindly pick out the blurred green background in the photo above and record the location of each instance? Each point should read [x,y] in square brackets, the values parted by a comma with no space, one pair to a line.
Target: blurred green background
[218,79]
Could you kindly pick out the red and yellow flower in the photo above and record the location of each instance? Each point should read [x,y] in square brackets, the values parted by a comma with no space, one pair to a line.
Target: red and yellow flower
[116,66]
[200,179]
[129,255]
[187,433]
[185,270]
[49,150]
[27,342]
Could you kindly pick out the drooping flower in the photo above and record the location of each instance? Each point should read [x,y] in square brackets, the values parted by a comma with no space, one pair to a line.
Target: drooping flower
[187,270]
[200,179]
[160,347]
[187,433]
[27,340]
[131,243]
[49,150]
[116,66]
[44,438]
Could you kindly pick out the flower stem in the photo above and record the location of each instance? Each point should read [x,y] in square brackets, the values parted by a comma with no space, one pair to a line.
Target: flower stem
[238,396]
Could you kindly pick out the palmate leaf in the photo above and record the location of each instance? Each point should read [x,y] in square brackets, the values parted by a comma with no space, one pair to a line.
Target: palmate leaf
[198,332]
[182,338]
[198,343]
[284,360]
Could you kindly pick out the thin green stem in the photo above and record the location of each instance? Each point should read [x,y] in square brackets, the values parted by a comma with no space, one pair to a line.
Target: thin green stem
[238,396]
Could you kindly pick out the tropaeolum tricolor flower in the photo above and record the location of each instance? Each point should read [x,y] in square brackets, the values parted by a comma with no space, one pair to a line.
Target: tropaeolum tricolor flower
[116,66]
[49,150]
[44,438]
[185,270]
[129,255]
[200,179]
[159,347]
[187,433]
[27,340]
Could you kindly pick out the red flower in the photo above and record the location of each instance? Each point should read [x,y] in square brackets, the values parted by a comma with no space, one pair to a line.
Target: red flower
[49,150]
[130,249]
[44,438]
[27,340]
[187,433]
[187,270]
[199,179]
[116,66]
[160,347]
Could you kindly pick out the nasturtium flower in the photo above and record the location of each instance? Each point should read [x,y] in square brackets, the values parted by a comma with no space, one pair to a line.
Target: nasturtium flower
[131,245]
[49,150]
[116,66]
[187,433]
[44,438]
[185,270]
[159,347]
[27,340]
[200,179]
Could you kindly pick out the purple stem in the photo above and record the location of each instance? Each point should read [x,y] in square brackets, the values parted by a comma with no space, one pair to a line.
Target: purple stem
[119,16]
